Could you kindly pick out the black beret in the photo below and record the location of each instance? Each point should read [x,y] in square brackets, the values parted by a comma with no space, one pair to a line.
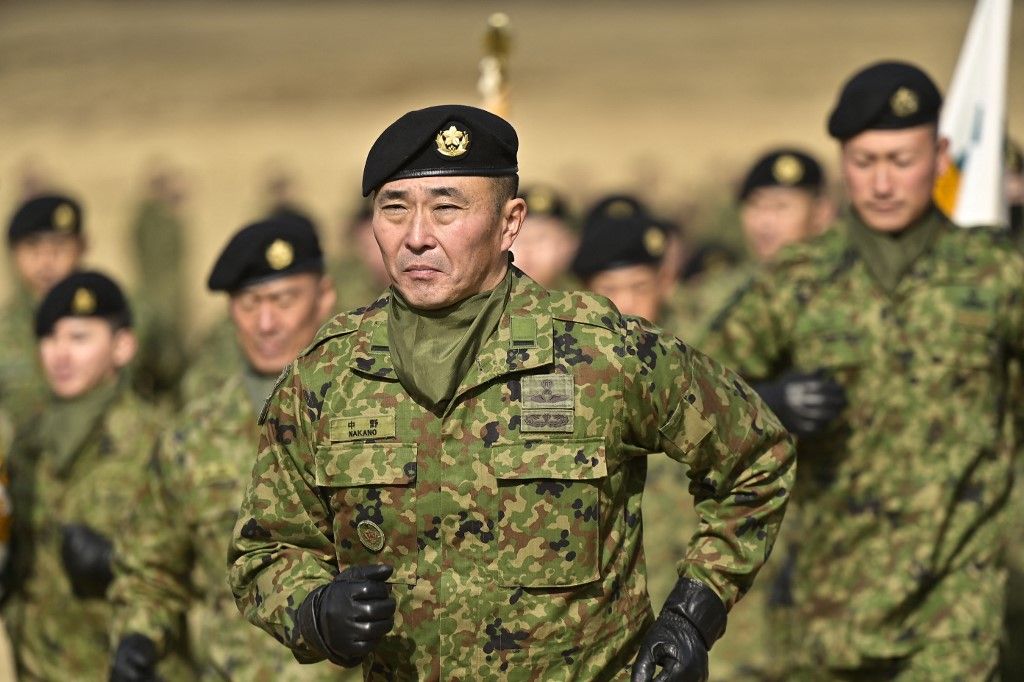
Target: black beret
[450,139]
[885,96]
[618,231]
[283,244]
[50,213]
[545,201]
[783,168]
[81,294]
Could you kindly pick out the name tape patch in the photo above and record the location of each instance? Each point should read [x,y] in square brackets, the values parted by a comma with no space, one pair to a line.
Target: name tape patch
[363,427]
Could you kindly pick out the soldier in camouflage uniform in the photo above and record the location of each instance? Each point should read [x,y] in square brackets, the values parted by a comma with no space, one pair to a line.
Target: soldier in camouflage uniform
[6,437]
[46,242]
[171,566]
[73,477]
[449,479]
[901,499]
[547,243]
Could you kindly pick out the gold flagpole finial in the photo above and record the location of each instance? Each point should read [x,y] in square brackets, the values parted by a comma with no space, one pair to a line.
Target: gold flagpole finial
[493,82]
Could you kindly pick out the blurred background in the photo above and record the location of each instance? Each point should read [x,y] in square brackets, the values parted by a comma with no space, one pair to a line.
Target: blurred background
[238,104]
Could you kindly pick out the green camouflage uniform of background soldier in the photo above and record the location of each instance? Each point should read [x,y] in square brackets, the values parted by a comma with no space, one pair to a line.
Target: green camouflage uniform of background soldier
[513,523]
[899,507]
[22,388]
[174,565]
[81,464]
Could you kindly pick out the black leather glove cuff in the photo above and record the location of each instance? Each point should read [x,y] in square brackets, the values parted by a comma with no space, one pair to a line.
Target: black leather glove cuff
[700,606]
[308,623]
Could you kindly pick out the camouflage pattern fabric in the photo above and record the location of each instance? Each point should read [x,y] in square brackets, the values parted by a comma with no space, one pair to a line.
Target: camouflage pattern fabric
[696,302]
[900,506]
[218,360]
[352,282]
[171,565]
[56,635]
[513,519]
[22,387]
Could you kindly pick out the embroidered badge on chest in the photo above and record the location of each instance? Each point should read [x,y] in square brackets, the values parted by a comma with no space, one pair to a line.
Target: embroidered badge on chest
[548,404]
[362,427]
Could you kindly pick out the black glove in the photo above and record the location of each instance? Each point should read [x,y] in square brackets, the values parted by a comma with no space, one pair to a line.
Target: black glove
[804,403]
[135,660]
[692,619]
[86,555]
[346,618]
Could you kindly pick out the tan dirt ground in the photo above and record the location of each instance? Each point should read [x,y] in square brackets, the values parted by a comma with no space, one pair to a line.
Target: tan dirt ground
[674,97]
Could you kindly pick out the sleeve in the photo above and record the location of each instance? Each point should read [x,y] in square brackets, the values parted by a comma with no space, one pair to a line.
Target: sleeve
[750,334]
[153,558]
[282,546]
[741,462]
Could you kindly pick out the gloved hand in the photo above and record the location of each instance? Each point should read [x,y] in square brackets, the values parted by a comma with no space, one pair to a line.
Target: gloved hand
[135,660]
[804,403]
[346,618]
[86,555]
[692,619]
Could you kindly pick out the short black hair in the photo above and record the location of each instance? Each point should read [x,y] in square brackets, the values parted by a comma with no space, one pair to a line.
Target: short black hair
[506,188]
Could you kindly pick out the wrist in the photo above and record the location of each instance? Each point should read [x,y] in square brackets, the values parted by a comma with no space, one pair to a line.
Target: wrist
[700,606]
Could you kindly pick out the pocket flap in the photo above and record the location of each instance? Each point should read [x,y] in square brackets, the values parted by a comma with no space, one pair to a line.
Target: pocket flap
[347,465]
[566,459]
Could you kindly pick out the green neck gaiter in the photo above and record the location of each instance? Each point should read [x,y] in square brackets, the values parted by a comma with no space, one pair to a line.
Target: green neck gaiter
[888,256]
[257,387]
[68,423]
[434,349]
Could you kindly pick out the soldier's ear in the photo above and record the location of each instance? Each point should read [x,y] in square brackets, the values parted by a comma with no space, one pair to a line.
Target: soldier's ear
[126,344]
[512,218]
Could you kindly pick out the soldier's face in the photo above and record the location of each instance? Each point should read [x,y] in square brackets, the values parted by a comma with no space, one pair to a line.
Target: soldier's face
[889,174]
[275,320]
[544,249]
[634,289]
[82,353]
[444,239]
[774,217]
[42,260]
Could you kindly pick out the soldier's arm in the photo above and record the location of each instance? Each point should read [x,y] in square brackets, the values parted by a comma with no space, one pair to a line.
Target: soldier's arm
[152,559]
[741,461]
[750,333]
[282,547]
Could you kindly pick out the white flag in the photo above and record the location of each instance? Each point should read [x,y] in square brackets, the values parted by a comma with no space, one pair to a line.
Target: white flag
[974,121]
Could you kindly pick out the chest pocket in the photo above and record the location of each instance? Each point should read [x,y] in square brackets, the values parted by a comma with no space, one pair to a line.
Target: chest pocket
[372,492]
[549,512]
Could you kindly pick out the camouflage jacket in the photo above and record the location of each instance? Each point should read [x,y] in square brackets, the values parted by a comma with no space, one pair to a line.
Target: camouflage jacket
[512,519]
[22,388]
[55,634]
[899,503]
[171,565]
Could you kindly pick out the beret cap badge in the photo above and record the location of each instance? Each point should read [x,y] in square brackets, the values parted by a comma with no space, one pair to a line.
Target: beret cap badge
[84,302]
[452,142]
[904,102]
[788,170]
[654,241]
[280,254]
[64,218]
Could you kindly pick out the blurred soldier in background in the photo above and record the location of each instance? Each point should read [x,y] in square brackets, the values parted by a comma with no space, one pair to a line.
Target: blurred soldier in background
[6,437]
[547,242]
[46,240]
[74,476]
[158,233]
[171,566]
[359,275]
[782,200]
[1015,191]
[900,498]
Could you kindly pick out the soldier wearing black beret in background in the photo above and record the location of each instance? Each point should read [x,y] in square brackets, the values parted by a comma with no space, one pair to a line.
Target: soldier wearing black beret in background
[359,274]
[546,245]
[46,240]
[171,563]
[75,472]
[901,499]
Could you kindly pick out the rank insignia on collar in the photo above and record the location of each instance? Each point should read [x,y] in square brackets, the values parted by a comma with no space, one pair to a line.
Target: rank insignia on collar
[452,142]
[280,254]
[787,170]
[904,102]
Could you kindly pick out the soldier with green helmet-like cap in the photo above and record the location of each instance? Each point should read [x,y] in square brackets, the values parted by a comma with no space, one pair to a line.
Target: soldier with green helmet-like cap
[888,344]
[170,567]
[449,479]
